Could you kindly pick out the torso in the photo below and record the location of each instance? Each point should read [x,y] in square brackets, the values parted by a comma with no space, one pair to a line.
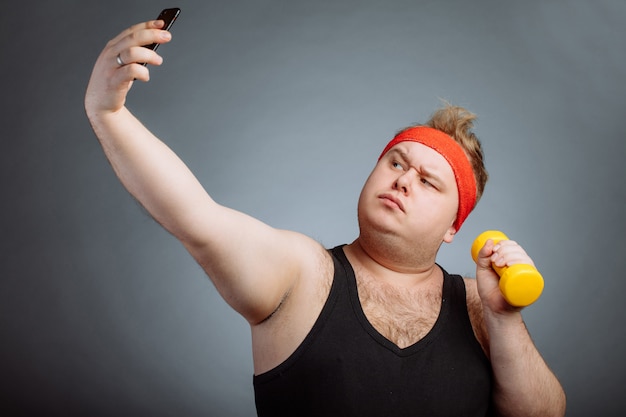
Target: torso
[402,316]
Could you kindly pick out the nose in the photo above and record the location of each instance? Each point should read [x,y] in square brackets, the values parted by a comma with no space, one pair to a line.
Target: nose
[403,182]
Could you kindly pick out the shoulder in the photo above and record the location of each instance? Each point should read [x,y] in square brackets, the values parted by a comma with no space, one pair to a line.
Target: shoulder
[314,278]
[315,260]
[475,311]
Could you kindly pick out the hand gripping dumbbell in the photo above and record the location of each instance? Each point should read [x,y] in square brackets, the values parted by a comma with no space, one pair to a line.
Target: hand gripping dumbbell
[520,284]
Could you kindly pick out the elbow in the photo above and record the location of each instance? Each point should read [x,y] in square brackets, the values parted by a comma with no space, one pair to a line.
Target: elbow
[562,405]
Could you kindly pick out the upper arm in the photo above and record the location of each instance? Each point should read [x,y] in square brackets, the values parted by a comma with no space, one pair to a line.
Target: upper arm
[475,312]
[253,265]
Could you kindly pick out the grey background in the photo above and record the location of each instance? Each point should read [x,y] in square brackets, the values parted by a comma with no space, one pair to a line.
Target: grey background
[281,108]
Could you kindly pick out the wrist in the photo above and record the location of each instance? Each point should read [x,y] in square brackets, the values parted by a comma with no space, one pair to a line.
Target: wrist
[503,321]
[100,117]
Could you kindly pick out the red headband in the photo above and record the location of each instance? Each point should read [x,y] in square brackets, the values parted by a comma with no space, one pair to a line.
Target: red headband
[456,157]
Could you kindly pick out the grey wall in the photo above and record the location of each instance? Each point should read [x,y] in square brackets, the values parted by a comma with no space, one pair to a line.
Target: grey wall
[281,108]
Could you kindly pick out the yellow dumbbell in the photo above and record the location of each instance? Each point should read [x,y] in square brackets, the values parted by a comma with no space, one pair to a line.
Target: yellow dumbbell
[520,284]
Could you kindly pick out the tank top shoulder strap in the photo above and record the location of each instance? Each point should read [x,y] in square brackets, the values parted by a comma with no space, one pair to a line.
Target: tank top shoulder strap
[455,296]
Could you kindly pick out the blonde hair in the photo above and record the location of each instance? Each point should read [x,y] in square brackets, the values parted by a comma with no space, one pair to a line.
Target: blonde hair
[458,122]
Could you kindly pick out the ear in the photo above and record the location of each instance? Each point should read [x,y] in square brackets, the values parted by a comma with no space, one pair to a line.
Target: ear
[449,236]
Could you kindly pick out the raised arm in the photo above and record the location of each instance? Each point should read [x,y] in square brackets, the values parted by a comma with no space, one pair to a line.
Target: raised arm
[524,385]
[252,265]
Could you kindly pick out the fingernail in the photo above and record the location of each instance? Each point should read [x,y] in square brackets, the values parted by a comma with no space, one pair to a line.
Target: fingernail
[166,35]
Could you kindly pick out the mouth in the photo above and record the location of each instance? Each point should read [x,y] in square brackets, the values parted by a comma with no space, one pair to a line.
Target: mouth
[392,201]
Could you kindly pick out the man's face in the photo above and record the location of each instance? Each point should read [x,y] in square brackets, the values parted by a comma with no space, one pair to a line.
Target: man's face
[411,193]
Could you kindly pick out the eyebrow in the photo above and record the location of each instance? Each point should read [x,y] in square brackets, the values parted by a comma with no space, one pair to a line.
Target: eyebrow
[423,171]
[433,177]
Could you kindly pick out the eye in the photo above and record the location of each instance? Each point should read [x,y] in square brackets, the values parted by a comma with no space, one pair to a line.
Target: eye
[397,165]
[427,183]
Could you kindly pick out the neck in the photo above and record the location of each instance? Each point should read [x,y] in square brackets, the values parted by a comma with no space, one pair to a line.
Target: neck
[405,268]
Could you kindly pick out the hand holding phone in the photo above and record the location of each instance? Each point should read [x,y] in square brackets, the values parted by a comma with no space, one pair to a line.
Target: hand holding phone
[169,17]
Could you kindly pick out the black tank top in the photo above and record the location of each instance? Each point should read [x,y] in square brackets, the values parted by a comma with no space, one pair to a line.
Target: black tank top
[345,367]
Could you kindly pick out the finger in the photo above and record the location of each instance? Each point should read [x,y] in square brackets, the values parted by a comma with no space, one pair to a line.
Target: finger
[505,243]
[151,24]
[141,38]
[138,54]
[128,49]
[130,73]
[510,254]
[124,71]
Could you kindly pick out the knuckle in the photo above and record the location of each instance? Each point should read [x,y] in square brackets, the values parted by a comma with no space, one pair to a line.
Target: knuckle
[133,36]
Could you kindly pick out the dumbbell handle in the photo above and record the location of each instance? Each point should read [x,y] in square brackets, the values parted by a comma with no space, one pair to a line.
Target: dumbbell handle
[520,284]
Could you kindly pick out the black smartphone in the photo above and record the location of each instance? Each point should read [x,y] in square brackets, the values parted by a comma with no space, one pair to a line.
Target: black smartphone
[169,17]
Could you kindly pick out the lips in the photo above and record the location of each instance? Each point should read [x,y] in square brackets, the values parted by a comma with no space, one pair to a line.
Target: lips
[390,199]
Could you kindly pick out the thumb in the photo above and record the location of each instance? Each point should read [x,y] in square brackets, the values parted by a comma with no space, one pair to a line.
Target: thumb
[483,260]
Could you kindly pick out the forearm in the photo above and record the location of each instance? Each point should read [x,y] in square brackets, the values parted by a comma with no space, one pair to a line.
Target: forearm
[252,264]
[151,172]
[524,385]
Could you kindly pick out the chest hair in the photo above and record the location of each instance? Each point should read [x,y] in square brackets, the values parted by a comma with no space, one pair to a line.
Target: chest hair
[403,316]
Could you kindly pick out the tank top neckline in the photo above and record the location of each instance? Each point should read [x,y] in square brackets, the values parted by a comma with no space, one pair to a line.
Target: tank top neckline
[412,349]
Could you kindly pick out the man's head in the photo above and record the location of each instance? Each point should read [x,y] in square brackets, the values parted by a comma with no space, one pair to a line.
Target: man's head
[422,189]
[449,133]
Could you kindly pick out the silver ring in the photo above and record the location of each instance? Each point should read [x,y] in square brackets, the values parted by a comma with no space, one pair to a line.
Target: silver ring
[118,58]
